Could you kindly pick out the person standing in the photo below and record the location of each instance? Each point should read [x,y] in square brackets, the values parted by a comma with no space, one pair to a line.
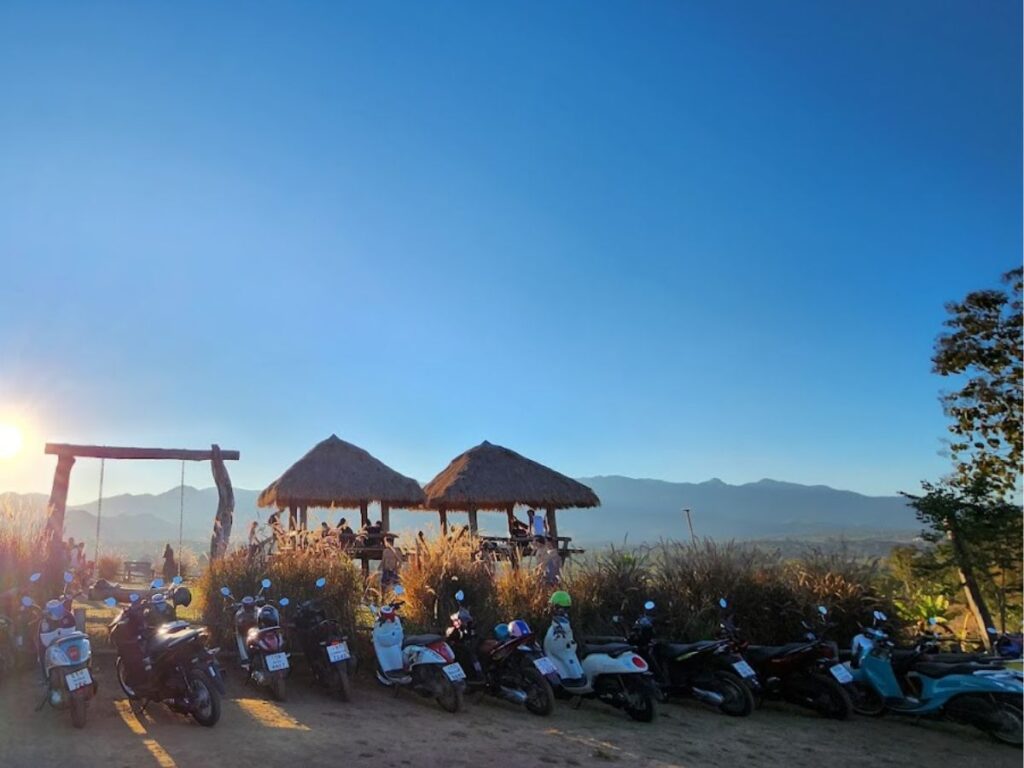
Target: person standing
[549,561]
[538,525]
[390,563]
[170,567]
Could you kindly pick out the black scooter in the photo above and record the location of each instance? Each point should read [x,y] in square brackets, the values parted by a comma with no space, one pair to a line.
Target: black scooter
[324,645]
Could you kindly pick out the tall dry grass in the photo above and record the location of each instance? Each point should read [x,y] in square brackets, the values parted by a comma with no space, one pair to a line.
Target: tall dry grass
[22,547]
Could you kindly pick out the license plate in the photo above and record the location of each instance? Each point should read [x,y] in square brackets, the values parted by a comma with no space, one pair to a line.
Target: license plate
[544,665]
[338,652]
[276,661]
[78,679]
[744,669]
[454,672]
[841,673]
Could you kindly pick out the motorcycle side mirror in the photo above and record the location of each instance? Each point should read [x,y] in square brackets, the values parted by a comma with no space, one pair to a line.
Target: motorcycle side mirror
[225,591]
[455,578]
[811,636]
[991,630]
[156,584]
[265,583]
[134,597]
[321,582]
[399,590]
[879,616]
[649,605]
[26,601]
[176,580]
[111,602]
[459,596]
[616,619]
[932,621]
[68,577]
[283,602]
[35,577]
[823,610]
[723,603]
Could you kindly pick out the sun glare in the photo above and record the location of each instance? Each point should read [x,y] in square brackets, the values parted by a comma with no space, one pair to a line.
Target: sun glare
[10,441]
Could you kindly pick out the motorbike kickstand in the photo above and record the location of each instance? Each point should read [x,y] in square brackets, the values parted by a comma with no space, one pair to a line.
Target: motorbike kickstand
[578,702]
[46,698]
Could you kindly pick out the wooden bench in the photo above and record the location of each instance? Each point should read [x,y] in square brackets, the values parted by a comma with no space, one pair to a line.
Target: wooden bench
[143,568]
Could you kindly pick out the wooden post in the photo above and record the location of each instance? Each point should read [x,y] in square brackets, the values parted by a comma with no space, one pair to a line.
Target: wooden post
[472,522]
[225,516]
[292,517]
[364,513]
[510,512]
[385,517]
[443,516]
[552,525]
[303,518]
[59,495]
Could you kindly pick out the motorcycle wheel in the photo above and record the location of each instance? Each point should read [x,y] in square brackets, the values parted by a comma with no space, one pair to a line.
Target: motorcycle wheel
[540,699]
[206,700]
[119,669]
[78,711]
[277,687]
[739,699]
[340,684]
[640,704]
[866,701]
[830,698]
[450,697]
[1006,725]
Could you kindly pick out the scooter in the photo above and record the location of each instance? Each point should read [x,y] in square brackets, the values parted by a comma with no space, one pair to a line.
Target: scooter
[806,673]
[610,672]
[324,645]
[510,666]
[66,656]
[710,671]
[160,658]
[424,663]
[260,639]
[967,693]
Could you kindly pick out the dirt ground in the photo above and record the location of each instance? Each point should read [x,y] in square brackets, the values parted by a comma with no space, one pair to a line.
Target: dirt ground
[388,731]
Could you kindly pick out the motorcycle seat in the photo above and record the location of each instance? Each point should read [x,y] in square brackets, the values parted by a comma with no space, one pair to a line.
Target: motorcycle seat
[759,653]
[612,649]
[420,640]
[935,669]
[675,650]
[164,641]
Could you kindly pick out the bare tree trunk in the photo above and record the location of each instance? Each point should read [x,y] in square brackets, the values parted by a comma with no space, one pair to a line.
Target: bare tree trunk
[59,495]
[225,506]
[972,590]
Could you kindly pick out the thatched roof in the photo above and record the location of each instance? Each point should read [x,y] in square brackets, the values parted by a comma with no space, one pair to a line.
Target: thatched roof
[338,474]
[491,477]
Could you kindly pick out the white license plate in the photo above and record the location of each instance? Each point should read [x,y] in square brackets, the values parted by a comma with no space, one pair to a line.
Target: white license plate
[338,652]
[276,661]
[454,672]
[744,669]
[544,665]
[841,673]
[78,679]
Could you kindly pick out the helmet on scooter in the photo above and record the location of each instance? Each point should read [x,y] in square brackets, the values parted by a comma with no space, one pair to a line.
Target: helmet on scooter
[518,628]
[560,599]
[181,596]
[268,616]
[501,632]
[159,611]
[54,610]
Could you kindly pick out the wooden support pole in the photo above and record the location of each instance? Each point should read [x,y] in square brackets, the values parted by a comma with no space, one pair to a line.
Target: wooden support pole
[385,517]
[510,512]
[292,517]
[364,513]
[225,516]
[443,516]
[472,522]
[552,524]
[59,495]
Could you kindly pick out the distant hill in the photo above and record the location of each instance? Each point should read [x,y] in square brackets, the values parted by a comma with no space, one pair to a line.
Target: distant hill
[640,509]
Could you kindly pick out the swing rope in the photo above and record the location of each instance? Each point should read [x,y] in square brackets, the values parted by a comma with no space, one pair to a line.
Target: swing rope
[99,514]
[181,514]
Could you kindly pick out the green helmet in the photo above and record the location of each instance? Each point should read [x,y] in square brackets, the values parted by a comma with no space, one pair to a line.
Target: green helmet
[561,599]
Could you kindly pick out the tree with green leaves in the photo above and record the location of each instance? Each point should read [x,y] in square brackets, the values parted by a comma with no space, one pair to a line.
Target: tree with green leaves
[974,512]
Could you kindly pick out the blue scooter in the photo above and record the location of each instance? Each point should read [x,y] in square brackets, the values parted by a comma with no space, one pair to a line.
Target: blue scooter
[975,694]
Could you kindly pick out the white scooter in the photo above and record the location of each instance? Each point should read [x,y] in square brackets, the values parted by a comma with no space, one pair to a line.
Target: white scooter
[611,672]
[426,663]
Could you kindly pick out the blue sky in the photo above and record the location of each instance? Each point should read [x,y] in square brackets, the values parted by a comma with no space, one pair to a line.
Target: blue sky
[673,240]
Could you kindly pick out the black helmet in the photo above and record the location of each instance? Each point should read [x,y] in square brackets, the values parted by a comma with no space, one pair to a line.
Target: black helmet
[268,616]
[160,610]
[181,596]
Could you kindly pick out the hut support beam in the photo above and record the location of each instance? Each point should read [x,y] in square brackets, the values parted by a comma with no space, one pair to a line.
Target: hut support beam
[442,515]
[510,512]
[472,522]
[292,517]
[552,525]
[385,517]
[224,519]
[364,513]
[59,494]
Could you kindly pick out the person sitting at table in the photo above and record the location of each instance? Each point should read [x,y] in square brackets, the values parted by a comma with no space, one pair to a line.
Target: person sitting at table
[373,533]
[517,528]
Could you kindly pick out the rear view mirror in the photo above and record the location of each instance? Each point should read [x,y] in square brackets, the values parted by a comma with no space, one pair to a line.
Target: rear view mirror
[283,602]
[68,577]
[265,583]
[932,621]
[35,577]
[26,601]
[649,605]
[111,602]
[156,584]
[460,596]
[991,630]
[134,597]
[225,591]
[176,580]
[823,610]
[321,582]
[399,590]
[723,603]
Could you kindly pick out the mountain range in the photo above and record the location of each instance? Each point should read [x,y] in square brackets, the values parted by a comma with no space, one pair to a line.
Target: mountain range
[637,510]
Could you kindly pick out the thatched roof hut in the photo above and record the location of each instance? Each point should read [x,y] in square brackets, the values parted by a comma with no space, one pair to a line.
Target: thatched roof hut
[492,477]
[338,474]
